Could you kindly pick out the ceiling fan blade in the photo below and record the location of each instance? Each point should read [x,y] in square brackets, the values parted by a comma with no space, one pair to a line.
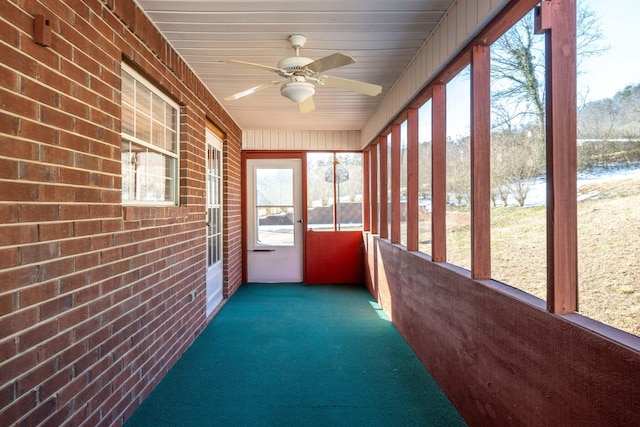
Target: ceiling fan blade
[352,85]
[252,65]
[330,62]
[307,105]
[252,90]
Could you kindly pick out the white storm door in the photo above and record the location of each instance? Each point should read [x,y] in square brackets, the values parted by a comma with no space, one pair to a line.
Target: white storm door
[274,220]
[214,221]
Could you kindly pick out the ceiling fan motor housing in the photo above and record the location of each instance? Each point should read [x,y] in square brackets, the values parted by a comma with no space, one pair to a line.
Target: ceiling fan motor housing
[295,64]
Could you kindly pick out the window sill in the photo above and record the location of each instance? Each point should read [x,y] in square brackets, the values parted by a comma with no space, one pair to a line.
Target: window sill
[141,212]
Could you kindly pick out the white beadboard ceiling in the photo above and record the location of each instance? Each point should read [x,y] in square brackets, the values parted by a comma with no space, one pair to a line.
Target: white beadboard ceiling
[382,36]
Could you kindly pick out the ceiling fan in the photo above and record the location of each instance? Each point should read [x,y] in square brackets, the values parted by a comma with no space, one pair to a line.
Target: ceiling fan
[301,75]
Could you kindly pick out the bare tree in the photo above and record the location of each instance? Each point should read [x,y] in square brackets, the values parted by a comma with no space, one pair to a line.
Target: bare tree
[514,164]
[518,61]
[518,99]
[610,130]
[458,173]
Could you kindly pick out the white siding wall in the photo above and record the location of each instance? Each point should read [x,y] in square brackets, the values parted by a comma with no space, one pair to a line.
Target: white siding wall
[456,29]
[301,140]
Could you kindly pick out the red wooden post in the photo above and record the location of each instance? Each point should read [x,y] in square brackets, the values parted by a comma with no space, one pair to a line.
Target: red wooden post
[412,179]
[395,183]
[336,201]
[480,161]
[439,173]
[374,189]
[366,192]
[384,184]
[562,222]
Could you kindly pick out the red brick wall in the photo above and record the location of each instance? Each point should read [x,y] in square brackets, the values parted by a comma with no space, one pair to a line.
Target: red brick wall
[94,297]
[233,215]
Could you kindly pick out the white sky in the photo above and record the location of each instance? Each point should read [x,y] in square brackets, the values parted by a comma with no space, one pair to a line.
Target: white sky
[620,65]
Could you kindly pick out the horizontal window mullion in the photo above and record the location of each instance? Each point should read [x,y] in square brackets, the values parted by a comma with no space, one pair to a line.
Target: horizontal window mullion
[151,147]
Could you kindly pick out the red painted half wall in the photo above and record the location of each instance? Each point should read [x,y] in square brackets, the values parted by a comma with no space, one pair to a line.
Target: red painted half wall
[333,257]
[500,357]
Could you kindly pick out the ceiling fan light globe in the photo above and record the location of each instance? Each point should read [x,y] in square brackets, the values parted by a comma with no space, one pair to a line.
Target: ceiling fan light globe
[297,91]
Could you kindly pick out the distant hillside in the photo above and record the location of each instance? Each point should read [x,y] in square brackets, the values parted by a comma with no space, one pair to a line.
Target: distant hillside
[609,131]
[612,118]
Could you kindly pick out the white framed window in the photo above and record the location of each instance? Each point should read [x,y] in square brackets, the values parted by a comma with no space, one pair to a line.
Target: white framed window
[149,150]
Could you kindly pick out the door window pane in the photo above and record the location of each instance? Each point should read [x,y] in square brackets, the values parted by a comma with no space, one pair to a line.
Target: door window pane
[274,206]
[214,205]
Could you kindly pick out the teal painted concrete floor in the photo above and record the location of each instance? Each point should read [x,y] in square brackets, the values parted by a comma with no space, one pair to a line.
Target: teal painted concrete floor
[298,355]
